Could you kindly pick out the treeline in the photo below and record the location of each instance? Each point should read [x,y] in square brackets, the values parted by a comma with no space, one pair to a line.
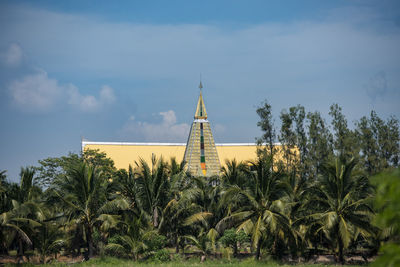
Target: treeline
[318,198]
[372,141]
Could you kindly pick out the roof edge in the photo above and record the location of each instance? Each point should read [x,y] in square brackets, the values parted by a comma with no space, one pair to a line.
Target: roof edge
[84,143]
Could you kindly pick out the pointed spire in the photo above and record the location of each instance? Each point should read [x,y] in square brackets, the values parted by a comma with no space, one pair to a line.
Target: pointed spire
[200,153]
[200,85]
[201,112]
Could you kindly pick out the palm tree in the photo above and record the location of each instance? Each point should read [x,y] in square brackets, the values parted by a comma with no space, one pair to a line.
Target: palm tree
[130,242]
[261,208]
[50,239]
[13,225]
[296,188]
[26,212]
[83,192]
[233,173]
[185,212]
[340,201]
[152,187]
[3,191]
[204,242]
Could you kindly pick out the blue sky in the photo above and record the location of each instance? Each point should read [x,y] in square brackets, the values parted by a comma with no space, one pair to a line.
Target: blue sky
[129,71]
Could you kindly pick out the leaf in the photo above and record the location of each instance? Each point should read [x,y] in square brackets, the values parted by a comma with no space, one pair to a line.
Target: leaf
[246,226]
[198,217]
[344,232]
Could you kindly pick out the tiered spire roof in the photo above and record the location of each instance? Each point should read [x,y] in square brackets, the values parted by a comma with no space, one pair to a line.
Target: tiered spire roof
[201,154]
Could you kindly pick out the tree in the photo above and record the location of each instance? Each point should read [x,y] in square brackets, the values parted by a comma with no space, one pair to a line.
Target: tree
[5,201]
[152,186]
[26,212]
[298,116]
[266,123]
[379,142]
[50,239]
[51,169]
[319,143]
[387,202]
[340,201]
[233,173]
[287,137]
[369,145]
[344,141]
[260,214]
[231,238]
[180,207]
[82,191]
[130,242]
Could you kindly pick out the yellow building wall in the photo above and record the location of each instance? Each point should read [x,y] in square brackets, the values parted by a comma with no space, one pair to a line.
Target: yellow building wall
[238,152]
[123,155]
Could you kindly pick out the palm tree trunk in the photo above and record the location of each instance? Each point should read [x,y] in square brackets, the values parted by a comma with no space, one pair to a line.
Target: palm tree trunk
[258,250]
[20,250]
[176,244]
[341,258]
[235,249]
[155,217]
[89,242]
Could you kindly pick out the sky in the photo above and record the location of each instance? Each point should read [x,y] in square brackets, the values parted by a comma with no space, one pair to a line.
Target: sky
[129,70]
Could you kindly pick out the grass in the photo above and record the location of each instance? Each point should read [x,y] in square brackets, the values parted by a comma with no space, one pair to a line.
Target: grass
[110,261]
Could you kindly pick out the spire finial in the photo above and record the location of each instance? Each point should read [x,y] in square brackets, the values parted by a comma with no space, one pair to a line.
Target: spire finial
[200,85]
[201,109]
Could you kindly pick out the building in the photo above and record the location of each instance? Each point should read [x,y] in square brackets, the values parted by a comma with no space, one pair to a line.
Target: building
[202,155]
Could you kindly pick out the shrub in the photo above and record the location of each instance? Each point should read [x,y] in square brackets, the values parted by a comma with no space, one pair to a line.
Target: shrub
[154,241]
[161,255]
[231,238]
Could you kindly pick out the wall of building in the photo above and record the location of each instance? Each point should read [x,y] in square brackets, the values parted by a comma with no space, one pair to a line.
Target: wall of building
[124,154]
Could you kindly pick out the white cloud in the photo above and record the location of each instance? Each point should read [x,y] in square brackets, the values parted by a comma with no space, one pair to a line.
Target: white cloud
[90,103]
[168,130]
[13,56]
[107,94]
[36,92]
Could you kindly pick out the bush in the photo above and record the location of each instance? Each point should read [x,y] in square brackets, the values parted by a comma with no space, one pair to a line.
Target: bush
[154,241]
[231,238]
[161,255]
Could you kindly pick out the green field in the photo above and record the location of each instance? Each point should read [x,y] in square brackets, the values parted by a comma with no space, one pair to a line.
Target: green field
[108,261]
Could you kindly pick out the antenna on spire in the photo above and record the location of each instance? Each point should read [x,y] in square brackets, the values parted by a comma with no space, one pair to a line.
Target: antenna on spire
[200,85]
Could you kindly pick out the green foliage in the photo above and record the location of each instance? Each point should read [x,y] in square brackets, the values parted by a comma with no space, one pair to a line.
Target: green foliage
[231,238]
[387,199]
[51,169]
[154,241]
[379,142]
[151,187]
[266,123]
[261,214]
[318,200]
[345,141]
[341,203]
[390,257]
[387,202]
[161,255]
[319,144]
